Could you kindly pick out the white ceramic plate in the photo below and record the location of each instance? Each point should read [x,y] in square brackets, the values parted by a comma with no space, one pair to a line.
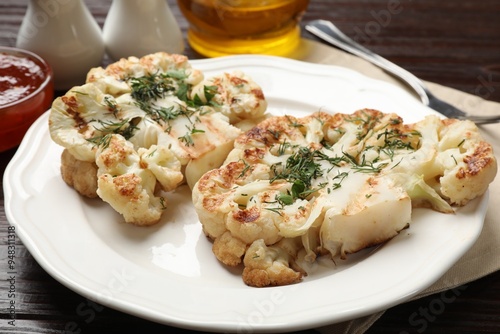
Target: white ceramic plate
[168,274]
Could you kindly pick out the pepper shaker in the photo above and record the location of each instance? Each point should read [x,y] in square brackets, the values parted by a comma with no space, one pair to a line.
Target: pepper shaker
[140,27]
[65,34]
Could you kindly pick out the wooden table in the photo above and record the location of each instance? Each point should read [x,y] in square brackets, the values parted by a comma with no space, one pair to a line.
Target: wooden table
[452,42]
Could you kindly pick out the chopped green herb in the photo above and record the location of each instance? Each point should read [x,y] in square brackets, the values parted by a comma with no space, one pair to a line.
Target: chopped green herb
[111,104]
[125,127]
[245,169]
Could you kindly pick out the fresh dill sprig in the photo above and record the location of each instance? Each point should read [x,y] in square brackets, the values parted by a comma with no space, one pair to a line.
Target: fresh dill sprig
[300,169]
[245,169]
[100,141]
[146,90]
[364,166]
[111,104]
[283,146]
[300,166]
[293,123]
[209,92]
[153,86]
[187,138]
[125,128]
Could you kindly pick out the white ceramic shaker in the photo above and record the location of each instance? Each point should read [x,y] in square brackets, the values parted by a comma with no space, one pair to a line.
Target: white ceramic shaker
[140,27]
[65,34]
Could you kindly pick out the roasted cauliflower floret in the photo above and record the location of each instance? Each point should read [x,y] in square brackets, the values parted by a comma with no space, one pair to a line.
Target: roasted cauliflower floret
[450,162]
[270,265]
[467,162]
[127,179]
[333,185]
[235,95]
[80,115]
[228,249]
[113,79]
[240,215]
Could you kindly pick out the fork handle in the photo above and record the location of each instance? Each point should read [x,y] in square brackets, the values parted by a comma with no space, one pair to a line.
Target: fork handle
[331,34]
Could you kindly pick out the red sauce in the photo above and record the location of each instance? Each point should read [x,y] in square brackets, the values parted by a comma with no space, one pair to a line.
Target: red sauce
[26,92]
[19,77]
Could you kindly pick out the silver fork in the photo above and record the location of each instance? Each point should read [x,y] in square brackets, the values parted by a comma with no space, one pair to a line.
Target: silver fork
[328,32]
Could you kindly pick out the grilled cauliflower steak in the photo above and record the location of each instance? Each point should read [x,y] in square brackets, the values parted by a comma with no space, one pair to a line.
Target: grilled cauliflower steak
[157,104]
[333,185]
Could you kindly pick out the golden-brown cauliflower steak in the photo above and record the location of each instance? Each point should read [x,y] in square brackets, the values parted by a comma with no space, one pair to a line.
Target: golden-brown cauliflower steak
[153,104]
[296,188]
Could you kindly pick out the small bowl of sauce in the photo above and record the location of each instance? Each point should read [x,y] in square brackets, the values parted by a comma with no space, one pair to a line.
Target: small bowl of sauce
[26,92]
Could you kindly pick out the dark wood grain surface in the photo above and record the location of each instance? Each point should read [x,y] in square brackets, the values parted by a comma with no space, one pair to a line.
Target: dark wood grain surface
[452,42]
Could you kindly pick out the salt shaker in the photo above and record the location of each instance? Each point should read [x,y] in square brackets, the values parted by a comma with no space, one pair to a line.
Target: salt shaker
[66,35]
[140,27]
